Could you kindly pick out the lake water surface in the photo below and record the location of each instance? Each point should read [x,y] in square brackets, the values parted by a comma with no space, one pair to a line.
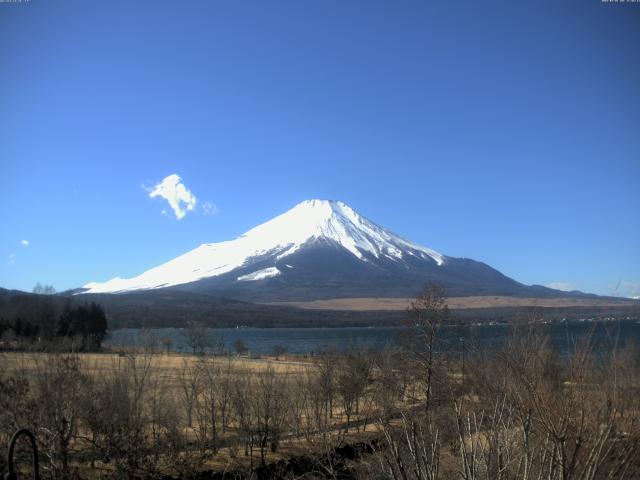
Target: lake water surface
[309,340]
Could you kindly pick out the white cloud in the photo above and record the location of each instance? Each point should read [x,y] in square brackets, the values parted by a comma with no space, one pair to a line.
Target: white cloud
[209,208]
[24,243]
[625,288]
[564,286]
[12,258]
[180,199]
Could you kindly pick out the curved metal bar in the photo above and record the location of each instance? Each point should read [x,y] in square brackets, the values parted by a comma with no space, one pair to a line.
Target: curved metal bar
[11,475]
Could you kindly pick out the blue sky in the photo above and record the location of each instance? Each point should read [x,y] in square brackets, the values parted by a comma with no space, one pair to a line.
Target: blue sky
[507,132]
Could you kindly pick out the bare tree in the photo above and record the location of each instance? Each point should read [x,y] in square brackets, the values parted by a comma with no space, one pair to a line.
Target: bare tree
[241,401]
[240,347]
[212,403]
[410,450]
[189,381]
[321,435]
[147,340]
[325,365]
[425,315]
[197,337]
[279,350]
[353,376]
[40,289]
[268,407]
[167,343]
[391,380]
[223,397]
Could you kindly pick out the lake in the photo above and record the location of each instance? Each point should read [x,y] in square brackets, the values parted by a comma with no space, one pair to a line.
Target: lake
[309,340]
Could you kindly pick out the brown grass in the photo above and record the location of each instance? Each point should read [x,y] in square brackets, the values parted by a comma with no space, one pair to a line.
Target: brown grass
[169,366]
[395,304]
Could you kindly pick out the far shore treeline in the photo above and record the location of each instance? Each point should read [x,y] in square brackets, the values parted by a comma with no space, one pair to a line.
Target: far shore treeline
[45,319]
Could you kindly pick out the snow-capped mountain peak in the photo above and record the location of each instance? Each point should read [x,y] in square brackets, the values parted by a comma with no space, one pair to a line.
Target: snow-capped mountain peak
[308,222]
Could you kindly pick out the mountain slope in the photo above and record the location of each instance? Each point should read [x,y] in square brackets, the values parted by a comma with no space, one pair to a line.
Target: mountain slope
[307,223]
[317,250]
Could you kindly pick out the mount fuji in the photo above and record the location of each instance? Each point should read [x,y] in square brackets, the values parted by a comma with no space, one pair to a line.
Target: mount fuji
[319,249]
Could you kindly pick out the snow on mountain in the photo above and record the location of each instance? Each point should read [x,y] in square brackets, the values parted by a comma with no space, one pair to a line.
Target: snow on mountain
[260,275]
[280,237]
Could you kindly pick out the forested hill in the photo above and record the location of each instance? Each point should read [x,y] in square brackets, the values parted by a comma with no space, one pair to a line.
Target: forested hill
[50,318]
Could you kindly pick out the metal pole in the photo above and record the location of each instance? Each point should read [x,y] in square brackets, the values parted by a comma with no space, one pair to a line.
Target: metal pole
[11,475]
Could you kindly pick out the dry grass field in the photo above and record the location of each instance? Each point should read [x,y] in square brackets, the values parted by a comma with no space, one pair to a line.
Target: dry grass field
[168,366]
[395,304]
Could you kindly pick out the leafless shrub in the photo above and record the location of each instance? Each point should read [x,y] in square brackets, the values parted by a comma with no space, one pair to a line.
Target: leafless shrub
[553,418]
[117,418]
[58,387]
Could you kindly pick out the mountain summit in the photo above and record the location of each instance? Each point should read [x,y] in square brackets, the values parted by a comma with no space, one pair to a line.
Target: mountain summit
[318,249]
[330,220]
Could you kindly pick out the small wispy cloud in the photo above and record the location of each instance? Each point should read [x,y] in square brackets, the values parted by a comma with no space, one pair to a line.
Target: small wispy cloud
[209,208]
[564,286]
[625,288]
[174,191]
[12,258]
[24,243]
